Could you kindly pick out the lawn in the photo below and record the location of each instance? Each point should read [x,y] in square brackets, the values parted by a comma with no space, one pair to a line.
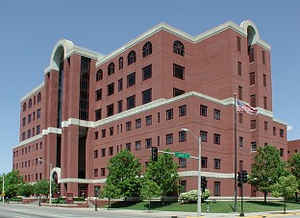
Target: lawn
[217,207]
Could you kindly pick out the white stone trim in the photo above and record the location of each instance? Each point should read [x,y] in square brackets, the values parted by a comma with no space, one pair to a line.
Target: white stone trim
[77,180]
[207,174]
[34,138]
[279,121]
[51,130]
[32,92]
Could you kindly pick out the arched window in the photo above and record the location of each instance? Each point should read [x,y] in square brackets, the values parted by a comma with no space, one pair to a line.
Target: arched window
[120,63]
[111,68]
[30,103]
[250,39]
[39,97]
[147,49]
[99,75]
[131,57]
[178,48]
[24,106]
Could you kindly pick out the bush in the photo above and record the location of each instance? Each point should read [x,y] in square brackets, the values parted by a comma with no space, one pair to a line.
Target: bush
[79,199]
[16,199]
[192,196]
[59,201]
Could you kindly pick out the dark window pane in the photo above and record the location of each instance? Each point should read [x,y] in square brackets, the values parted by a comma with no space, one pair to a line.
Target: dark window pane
[178,71]
[147,96]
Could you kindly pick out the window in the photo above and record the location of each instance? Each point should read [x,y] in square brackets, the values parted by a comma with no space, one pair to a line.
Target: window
[253,100]
[131,102]
[149,120]
[99,75]
[217,163]
[147,96]
[265,102]
[103,152]
[102,171]
[182,136]
[33,131]
[217,138]
[147,72]
[274,131]
[103,133]
[120,85]
[158,140]
[111,131]
[33,115]
[182,186]
[131,58]
[217,114]
[24,121]
[148,143]
[128,125]
[265,80]
[203,162]
[182,110]
[130,79]
[252,78]
[177,92]
[147,49]
[240,118]
[98,94]
[30,103]
[95,154]
[28,133]
[253,146]
[281,133]
[128,146]
[178,48]
[38,113]
[217,188]
[97,114]
[239,68]
[110,89]
[24,107]
[241,141]
[138,123]
[240,91]
[281,152]
[178,71]
[38,129]
[263,57]
[266,125]
[253,124]
[111,68]
[203,110]
[120,63]
[96,134]
[120,106]
[110,110]
[251,54]
[158,117]
[111,150]
[169,138]
[138,145]
[203,135]
[182,163]
[29,118]
[169,114]
[238,43]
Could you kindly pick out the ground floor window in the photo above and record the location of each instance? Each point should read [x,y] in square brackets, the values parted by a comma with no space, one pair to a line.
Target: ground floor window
[217,188]
[182,186]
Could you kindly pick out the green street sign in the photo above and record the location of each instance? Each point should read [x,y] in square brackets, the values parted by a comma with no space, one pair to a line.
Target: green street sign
[182,155]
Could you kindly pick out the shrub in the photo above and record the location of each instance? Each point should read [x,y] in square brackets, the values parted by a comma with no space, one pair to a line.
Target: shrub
[192,196]
[16,199]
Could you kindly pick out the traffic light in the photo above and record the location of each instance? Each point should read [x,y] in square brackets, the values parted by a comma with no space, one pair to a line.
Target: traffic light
[239,179]
[154,151]
[244,176]
[203,183]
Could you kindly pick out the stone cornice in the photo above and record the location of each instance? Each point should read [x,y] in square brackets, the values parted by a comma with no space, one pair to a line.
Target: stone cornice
[32,92]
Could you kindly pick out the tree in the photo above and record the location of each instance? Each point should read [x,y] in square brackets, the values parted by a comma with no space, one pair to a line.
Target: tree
[266,169]
[42,187]
[25,189]
[294,167]
[164,173]
[285,187]
[149,190]
[110,191]
[11,182]
[124,175]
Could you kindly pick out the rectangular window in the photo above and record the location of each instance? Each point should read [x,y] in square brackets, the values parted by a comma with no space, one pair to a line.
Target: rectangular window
[111,131]
[128,125]
[138,123]
[38,129]
[240,91]
[158,140]
[251,54]
[263,57]
[147,96]
[281,133]
[28,133]
[265,102]
[120,84]
[203,162]
[33,115]
[217,188]
[217,139]
[266,125]
[130,79]
[281,152]
[24,121]
[103,133]
[103,152]
[148,143]
[110,110]
[102,171]
[149,120]
[110,89]
[182,110]
[217,114]
[265,80]
[120,106]
[128,146]
[203,135]
[253,100]
[253,146]
[95,172]
[239,68]
[182,136]
[95,154]
[253,124]
[178,71]
[96,133]
[217,163]
[182,163]
[241,141]
[131,102]
[138,145]
[177,92]
[240,118]
[29,118]
[147,72]
[111,150]
[238,43]
[182,186]
[169,114]
[274,131]
[158,117]
[98,94]
[169,138]
[203,110]
[252,78]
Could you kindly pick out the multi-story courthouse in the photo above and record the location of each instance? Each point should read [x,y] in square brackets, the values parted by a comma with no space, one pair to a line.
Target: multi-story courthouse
[91,106]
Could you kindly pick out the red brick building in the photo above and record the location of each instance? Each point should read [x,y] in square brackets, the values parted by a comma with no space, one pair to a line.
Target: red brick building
[293,147]
[91,106]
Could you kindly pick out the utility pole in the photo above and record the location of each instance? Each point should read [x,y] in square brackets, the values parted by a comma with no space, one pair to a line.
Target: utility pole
[235,154]
[3,193]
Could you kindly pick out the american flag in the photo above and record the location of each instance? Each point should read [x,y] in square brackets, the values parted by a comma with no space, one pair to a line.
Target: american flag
[242,107]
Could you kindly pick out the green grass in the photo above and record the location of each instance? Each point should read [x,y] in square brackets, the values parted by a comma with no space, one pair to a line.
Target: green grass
[217,207]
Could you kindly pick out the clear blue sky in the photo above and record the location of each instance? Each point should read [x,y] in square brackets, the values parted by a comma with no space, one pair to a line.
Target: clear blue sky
[30,29]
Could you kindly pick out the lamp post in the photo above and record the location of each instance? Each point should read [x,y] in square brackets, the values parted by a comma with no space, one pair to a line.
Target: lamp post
[199,169]
[50,188]
[3,188]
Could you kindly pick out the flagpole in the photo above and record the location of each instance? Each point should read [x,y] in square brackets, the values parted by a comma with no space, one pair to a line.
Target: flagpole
[235,153]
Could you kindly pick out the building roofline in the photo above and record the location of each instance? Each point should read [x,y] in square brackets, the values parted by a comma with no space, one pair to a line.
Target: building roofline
[32,92]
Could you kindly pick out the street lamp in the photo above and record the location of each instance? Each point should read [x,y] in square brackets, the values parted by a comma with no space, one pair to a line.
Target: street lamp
[199,169]
[50,181]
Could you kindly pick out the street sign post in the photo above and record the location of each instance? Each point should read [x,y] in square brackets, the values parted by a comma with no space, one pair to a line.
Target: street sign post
[182,155]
